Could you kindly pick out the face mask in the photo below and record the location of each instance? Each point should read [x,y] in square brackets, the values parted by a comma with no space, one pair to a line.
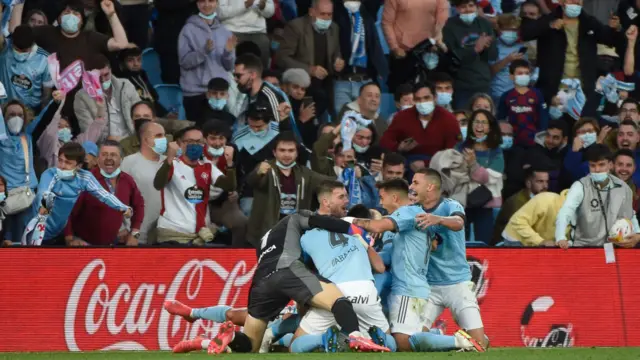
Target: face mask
[599,177]
[259,133]
[194,152]
[137,123]
[215,152]
[444,98]
[322,25]
[208,17]
[112,175]
[285,167]
[405,107]
[14,125]
[3,197]
[555,112]
[275,45]
[425,108]
[20,57]
[522,80]
[70,23]
[507,142]
[106,84]
[480,139]
[463,131]
[352,6]
[360,149]
[572,10]
[64,135]
[65,174]
[160,145]
[509,37]
[468,18]
[217,104]
[430,60]
[588,139]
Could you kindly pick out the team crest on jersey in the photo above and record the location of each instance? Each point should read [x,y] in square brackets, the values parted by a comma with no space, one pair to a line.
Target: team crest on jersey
[22,82]
[204,176]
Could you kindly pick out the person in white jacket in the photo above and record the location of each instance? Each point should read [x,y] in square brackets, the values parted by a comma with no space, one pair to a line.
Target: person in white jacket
[248,21]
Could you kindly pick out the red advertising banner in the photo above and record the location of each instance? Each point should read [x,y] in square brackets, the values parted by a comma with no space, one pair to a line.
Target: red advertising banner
[111,299]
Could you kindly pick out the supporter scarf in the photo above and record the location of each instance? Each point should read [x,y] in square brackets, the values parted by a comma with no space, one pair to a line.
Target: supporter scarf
[292,119]
[351,122]
[358,49]
[348,178]
[34,233]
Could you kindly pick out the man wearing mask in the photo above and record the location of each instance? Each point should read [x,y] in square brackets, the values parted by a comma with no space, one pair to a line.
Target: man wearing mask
[216,104]
[255,143]
[143,166]
[131,69]
[281,187]
[27,76]
[223,206]
[185,182]
[119,95]
[82,229]
[586,134]
[60,188]
[596,201]
[444,89]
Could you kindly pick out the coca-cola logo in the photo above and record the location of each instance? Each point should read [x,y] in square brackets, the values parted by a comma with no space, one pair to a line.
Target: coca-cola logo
[125,316]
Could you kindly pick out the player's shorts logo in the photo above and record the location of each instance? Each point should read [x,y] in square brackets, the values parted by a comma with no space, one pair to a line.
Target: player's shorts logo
[479,276]
[546,324]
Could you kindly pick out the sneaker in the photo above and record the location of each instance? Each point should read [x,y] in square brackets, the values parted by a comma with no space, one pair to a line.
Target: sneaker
[468,343]
[186,346]
[377,335]
[363,344]
[330,340]
[266,341]
[175,307]
[221,341]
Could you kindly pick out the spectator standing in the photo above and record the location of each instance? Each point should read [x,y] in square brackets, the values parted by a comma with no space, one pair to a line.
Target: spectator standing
[509,49]
[185,184]
[143,166]
[281,187]
[247,20]
[624,166]
[407,23]
[596,201]
[119,96]
[248,77]
[360,47]
[206,50]
[93,223]
[25,73]
[172,15]
[586,133]
[312,43]
[471,43]
[295,83]
[551,148]
[131,69]
[423,130]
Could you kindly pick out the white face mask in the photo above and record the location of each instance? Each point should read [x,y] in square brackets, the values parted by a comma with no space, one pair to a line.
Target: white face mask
[14,124]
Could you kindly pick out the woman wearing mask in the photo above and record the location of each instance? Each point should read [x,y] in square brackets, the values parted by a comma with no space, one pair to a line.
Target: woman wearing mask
[16,166]
[206,50]
[483,155]
[585,132]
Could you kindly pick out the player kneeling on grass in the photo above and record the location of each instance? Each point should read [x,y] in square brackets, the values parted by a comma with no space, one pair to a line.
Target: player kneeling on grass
[410,262]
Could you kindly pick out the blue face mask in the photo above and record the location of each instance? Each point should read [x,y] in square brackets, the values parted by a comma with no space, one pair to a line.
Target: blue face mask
[468,18]
[480,139]
[112,175]
[70,23]
[360,149]
[599,177]
[160,145]
[215,152]
[3,197]
[217,104]
[285,167]
[522,80]
[572,10]
[65,174]
[322,25]
[275,45]
[425,108]
[463,131]
[64,135]
[430,60]
[194,151]
[589,139]
[507,142]
[208,17]
[20,57]
[444,98]
[259,133]
[555,112]
[509,37]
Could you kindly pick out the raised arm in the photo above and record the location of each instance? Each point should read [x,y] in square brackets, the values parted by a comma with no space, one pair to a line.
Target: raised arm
[376,226]
[119,40]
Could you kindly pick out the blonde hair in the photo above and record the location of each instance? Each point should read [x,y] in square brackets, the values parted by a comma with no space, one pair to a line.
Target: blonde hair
[508,21]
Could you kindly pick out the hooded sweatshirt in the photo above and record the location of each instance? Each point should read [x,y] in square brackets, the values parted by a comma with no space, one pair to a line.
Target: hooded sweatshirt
[197,65]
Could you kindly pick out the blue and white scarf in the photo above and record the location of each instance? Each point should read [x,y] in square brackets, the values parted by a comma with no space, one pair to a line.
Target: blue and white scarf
[358,50]
[348,178]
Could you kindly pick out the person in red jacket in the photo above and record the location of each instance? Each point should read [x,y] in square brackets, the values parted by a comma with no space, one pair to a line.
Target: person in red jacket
[93,223]
[422,130]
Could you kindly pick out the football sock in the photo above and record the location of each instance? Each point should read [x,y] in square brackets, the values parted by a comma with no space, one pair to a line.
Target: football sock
[285,340]
[390,342]
[426,341]
[282,327]
[345,316]
[214,313]
[306,343]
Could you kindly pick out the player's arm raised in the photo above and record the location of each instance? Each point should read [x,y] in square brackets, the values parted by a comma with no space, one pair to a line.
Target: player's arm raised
[455,222]
[376,226]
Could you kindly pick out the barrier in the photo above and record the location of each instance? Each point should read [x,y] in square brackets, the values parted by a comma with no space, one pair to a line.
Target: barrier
[111,299]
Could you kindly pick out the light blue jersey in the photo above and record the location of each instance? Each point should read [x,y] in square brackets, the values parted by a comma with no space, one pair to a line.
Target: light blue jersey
[410,257]
[339,258]
[24,80]
[448,264]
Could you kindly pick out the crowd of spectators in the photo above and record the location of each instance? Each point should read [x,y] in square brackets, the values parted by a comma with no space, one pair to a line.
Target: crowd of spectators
[526,107]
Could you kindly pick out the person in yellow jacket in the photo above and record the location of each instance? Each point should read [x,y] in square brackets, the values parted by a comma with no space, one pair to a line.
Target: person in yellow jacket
[534,224]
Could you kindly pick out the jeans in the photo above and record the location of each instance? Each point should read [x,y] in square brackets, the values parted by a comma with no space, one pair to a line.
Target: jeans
[345,91]
[482,220]
[245,205]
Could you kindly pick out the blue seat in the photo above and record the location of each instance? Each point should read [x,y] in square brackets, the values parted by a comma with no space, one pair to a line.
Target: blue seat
[387,105]
[476,244]
[151,65]
[170,96]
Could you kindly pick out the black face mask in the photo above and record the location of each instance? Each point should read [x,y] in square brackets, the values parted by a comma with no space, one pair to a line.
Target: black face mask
[137,124]
[246,88]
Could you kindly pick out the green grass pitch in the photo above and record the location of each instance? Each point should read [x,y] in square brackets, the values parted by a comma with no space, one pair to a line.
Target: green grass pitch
[493,354]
